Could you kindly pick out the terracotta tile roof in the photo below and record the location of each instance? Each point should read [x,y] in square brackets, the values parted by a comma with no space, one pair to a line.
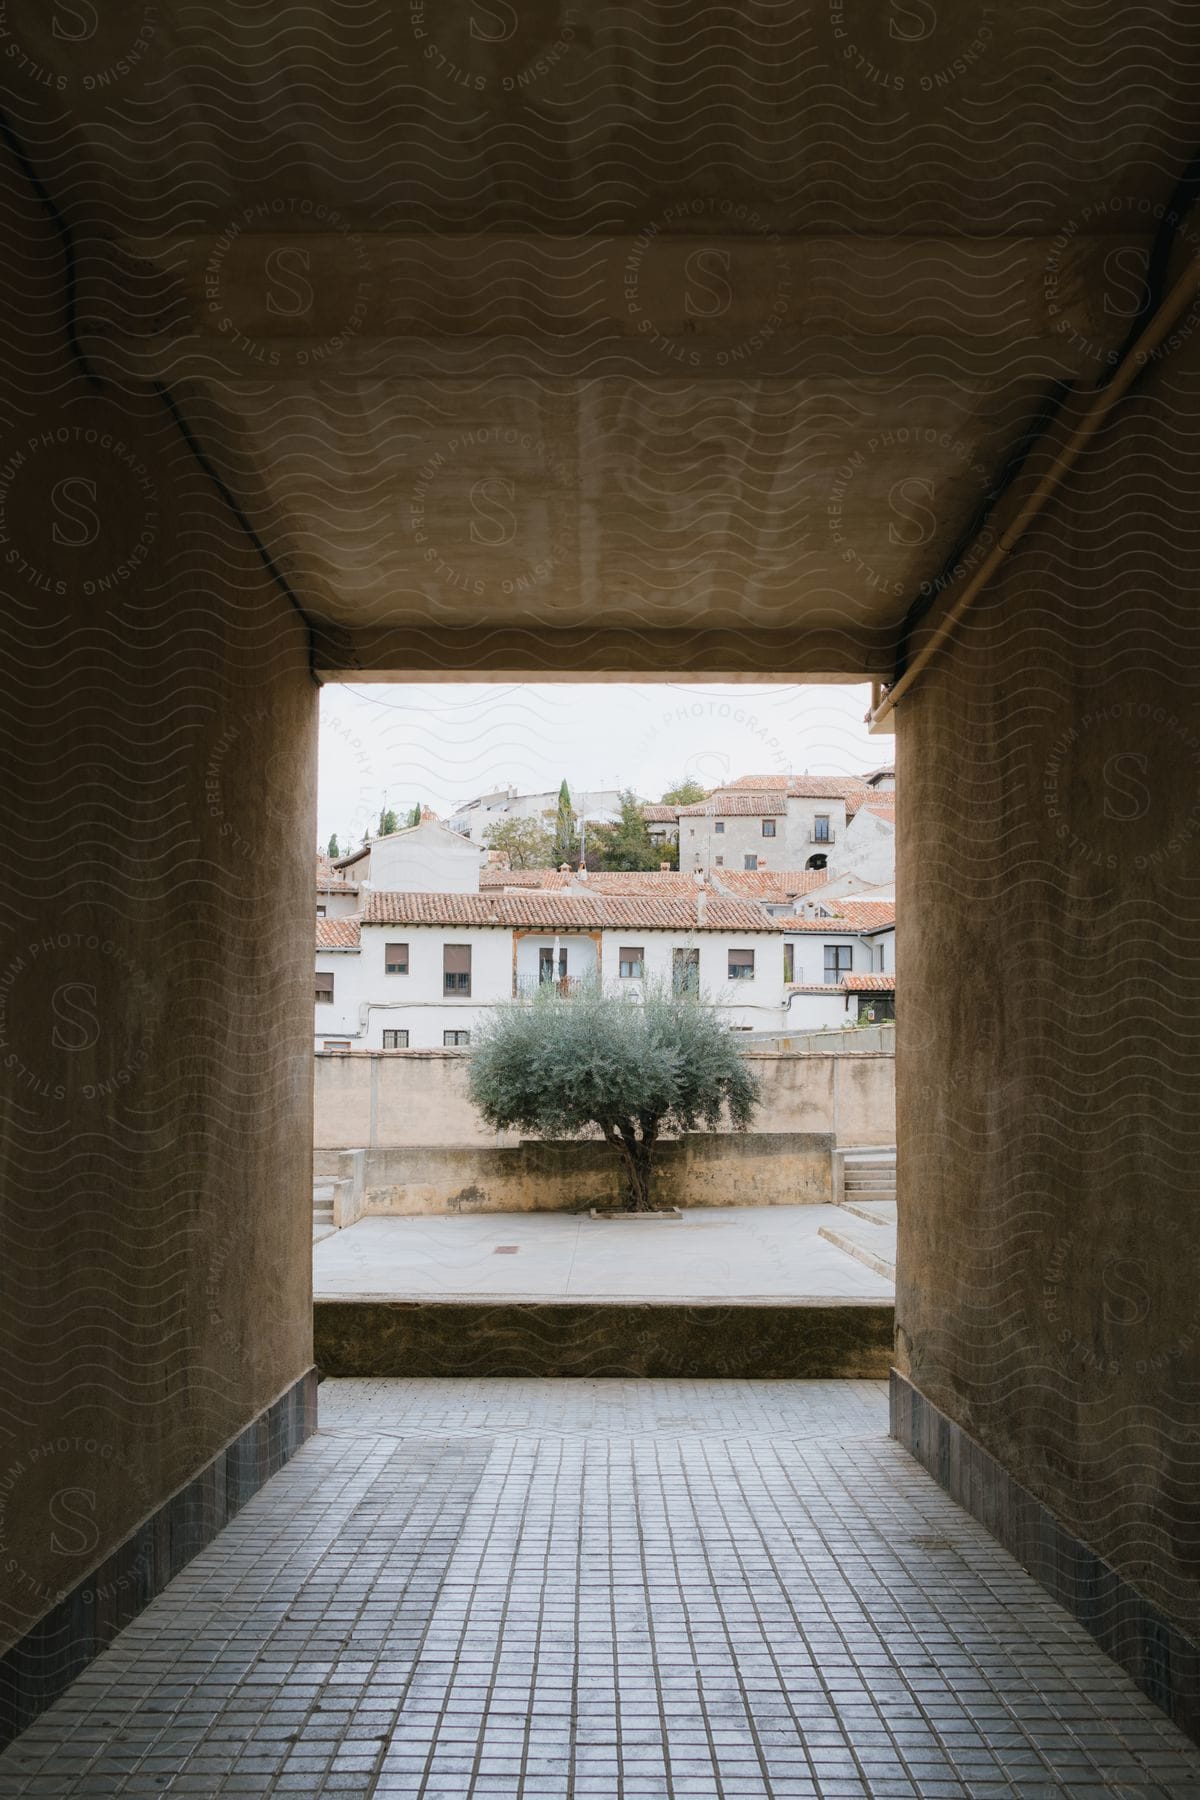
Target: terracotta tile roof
[801,922]
[865,915]
[883,804]
[850,788]
[727,805]
[869,984]
[671,883]
[769,884]
[578,911]
[660,815]
[337,887]
[601,881]
[491,880]
[337,934]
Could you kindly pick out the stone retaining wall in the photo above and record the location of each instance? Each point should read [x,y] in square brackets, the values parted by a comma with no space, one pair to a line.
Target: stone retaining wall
[772,1169]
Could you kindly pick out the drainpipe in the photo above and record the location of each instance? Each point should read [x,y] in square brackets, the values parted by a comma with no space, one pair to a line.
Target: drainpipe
[1093,420]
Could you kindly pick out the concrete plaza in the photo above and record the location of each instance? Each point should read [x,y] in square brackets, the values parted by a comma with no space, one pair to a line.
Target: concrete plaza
[726,1253]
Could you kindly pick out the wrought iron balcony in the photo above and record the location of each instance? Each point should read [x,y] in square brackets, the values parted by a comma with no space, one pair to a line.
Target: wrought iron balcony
[525,986]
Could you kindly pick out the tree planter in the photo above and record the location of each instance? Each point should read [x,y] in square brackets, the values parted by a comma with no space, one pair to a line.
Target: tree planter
[623,1212]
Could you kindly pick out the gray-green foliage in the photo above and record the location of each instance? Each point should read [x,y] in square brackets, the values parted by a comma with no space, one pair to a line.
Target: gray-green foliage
[635,1069]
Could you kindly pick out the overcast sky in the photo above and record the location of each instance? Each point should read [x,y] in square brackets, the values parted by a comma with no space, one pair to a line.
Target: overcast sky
[443,745]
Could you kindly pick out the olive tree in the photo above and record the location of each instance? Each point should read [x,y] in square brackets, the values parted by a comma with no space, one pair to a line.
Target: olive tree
[633,1068]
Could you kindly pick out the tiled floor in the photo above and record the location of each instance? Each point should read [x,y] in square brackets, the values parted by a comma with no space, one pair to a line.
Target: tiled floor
[727,1253]
[621,1590]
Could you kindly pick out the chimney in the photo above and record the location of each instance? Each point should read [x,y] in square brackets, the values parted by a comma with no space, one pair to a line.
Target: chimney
[663,868]
[582,872]
[564,868]
[702,907]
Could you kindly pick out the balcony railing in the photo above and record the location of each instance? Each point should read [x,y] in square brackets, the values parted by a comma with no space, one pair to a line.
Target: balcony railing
[821,837]
[526,985]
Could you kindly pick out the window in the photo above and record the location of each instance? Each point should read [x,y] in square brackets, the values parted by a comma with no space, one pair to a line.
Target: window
[821,828]
[685,971]
[631,960]
[335,1044]
[719,827]
[546,965]
[789,962]
[768,827]
[324,988]
[456,969]
[839,960]
[456,1040]
[395,959]
[741,965]
[720,862]
[749,862]
[395,1040]
[320,912]
[691,831]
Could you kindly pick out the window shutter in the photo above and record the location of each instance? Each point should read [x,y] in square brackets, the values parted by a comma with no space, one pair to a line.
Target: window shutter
[395,959]
[456,959]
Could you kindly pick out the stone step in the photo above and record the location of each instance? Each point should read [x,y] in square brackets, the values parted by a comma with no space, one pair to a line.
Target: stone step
[877,1212]
[881,1258]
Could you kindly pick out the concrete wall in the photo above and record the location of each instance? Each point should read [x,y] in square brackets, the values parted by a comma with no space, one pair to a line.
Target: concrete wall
[155,1002]
[1049,1046]
[855,1041]
[419,1099]
[781,1169]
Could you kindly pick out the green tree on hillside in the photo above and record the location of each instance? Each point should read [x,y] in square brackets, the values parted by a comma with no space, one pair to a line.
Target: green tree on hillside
[566,829]
[526,842]
[388,822]
[331,849]
[626,843]
[414,816]
[685,793]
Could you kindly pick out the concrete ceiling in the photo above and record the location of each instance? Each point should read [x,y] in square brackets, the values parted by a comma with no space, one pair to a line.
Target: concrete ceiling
[635,340]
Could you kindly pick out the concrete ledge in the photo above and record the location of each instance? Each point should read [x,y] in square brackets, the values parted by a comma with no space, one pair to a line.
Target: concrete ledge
[1162,1661]
[771,1342]
[36,1669]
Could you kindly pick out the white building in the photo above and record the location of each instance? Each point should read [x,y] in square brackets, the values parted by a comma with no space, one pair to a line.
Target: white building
[866,856]
[770,821]
[478,816]
[418,971]
[421,857]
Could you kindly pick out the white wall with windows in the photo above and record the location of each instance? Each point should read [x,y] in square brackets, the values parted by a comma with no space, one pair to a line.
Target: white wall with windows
[430,981]
[784,840]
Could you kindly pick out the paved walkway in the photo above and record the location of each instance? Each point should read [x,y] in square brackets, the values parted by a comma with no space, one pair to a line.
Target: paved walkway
[726,1253]
[551,1590]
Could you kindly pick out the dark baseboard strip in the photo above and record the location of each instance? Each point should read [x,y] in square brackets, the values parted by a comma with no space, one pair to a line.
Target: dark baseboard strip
[1164,1663]
[748,1341]
[37,1669]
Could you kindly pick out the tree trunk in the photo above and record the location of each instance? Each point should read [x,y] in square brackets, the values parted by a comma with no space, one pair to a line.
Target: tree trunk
[641,1169]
